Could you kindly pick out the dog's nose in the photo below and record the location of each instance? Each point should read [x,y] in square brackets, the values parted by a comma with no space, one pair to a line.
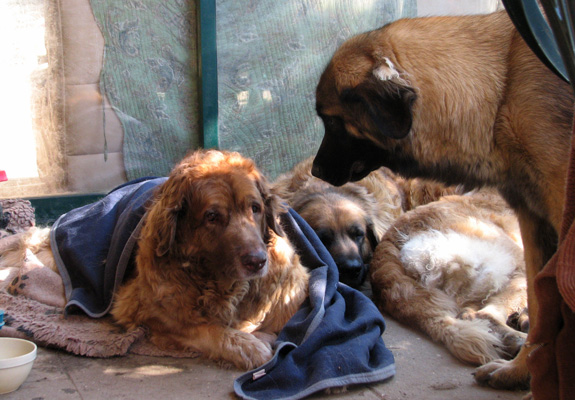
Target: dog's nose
[352,271]
[254,261]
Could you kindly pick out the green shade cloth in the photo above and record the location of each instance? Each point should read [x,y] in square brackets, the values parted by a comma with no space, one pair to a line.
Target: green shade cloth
[150,78]
[270,55]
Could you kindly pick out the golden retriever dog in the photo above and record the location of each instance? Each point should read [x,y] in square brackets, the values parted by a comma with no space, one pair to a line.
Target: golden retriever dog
[461,100]
[213,272]
[454,269]
[351,219]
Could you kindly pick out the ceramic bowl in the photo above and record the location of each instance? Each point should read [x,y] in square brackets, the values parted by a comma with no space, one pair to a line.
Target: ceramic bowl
[16,359]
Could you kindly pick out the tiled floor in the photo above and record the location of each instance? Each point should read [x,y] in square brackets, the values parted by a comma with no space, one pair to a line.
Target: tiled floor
[425,371]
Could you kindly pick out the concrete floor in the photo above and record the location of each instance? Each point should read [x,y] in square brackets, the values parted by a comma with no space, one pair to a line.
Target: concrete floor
[425,371]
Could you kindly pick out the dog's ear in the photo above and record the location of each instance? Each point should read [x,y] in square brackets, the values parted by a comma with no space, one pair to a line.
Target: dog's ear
[273,207]
[370,243]
[381,107]
[162,217]
[371,236]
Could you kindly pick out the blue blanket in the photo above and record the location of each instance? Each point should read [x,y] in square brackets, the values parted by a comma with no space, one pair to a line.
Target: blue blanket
[333,340]
[94,245]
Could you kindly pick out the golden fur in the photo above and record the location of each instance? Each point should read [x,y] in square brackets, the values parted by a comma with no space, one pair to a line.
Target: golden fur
[350,220]
[438,269]
[214,271]
[461,100]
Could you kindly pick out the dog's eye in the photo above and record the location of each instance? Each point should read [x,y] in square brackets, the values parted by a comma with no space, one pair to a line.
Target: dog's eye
[332,123]
[256,208]
[326,236]
[211,216]
[357,234]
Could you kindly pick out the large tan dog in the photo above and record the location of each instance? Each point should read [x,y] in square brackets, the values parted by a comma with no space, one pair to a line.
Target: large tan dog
[214,271]
[462,100]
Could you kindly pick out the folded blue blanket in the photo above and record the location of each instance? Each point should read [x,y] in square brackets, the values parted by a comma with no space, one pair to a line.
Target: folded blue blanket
[333,340]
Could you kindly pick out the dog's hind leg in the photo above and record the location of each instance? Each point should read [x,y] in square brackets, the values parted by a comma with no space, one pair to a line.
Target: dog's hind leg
[538,241]
[510,340]
[512,300]
[472,341]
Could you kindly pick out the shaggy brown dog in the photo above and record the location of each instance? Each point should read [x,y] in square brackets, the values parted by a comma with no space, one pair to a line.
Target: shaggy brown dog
[350,220]
[213,270]
[462,100]
[454,269]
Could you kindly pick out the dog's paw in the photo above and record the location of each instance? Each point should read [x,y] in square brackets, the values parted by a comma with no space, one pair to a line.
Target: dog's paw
[512,342]
[248,352]
[467,313]
[336,390]
[266,337]
[519,321]
[502,374]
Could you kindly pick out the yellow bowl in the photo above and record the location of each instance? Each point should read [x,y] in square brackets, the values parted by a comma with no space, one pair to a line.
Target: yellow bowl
[16,359]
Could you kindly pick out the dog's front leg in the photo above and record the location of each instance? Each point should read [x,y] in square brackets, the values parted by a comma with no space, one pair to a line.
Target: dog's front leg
[217,342]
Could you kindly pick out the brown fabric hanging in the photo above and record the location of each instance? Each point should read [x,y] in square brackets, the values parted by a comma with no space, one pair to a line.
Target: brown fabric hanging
[552,362]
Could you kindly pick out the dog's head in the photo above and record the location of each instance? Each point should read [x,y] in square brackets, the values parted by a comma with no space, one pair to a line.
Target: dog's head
[343,225]
[215,213]
[366,106]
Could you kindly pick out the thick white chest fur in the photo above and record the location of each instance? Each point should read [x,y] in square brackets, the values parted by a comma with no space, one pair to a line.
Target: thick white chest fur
[469,267]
